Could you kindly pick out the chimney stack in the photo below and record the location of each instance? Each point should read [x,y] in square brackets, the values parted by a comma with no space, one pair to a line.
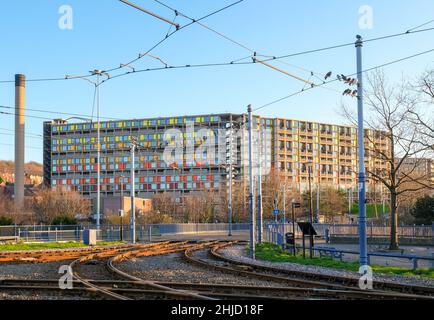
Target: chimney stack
[20,92]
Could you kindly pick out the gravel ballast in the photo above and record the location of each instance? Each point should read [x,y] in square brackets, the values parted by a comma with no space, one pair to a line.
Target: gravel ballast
[238,253]
[173,268]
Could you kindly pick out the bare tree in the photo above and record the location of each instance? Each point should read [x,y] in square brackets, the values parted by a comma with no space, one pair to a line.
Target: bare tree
[332,202]
[425,118]
[49,204]
[274,187]
[389,117]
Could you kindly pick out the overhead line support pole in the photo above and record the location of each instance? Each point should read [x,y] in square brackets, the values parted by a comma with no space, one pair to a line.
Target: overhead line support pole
[362,178]
[251,188]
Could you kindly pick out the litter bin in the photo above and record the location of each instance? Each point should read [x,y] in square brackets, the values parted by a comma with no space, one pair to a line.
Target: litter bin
[89,237]
[289,238]
[327,235]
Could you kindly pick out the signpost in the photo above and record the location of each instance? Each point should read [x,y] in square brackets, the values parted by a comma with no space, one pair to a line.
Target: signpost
[294,206]
[307,229]
[121,214]
[276,212]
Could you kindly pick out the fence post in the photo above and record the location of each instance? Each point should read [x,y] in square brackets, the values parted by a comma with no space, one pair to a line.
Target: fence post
[56,234]
[415,263]
[150,233]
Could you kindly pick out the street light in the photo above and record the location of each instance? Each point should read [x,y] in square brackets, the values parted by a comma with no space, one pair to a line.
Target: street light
[122,207]
[98,74]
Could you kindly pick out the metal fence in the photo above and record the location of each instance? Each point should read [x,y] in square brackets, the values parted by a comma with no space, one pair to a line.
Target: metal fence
[45,233]
[272,231]
[377,231]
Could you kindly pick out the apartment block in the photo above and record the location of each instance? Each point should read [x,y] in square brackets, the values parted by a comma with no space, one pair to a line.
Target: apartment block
[290,146]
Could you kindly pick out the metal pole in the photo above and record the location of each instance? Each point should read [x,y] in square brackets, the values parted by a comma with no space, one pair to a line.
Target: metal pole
[284,205]
[251,198]
[230,181]
[310,213]
[260,226]
[293,224]
[317,204]
[362,209]
[20,93]
[133,205]
[349,200]
[98,195]
[122,208]
[310,197]
[151,13]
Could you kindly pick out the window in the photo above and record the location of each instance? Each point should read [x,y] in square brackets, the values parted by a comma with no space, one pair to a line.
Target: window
[289,145]
[289,166]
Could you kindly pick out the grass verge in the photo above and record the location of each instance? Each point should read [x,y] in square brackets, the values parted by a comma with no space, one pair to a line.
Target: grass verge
[273,253]
[51,245]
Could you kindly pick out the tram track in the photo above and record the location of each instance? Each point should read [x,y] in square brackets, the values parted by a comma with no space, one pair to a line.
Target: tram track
[100,275]
[309,277]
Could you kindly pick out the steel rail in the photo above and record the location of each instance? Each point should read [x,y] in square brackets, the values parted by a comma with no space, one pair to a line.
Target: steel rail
[296,282]
[335,279]
[97,288]
[153,284]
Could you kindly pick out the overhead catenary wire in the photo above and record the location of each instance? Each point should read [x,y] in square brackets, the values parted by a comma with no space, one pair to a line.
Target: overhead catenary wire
[27,147]
[58,113]
[270,58]
[229,63]
[252,51]
[173,32]
[28,116]
[335,80]
[141,55]
[420,26]
[27,135]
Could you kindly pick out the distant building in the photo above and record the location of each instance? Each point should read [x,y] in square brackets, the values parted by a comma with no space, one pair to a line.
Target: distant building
[113,204]
[419,167]
[289,146]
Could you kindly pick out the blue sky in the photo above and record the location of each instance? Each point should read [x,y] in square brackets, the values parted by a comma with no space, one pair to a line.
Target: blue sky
[106,33]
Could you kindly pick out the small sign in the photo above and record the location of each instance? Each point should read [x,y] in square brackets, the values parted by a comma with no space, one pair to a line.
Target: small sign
[121,213]
[276,212]
[296,204]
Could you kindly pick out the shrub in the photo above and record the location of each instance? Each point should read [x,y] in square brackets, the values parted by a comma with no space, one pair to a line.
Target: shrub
[64,220]
[423,210]
[6,221]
